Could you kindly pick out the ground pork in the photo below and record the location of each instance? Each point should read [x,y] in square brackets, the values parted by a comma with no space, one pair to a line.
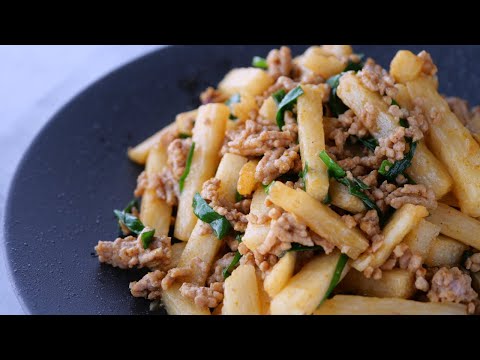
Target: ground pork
[231,242]
[184,273]
[279,62]
[255,139]
[166,186]
[177,156]
[218,267]
[263,262]
[283,82]
[283,231]
[392,146]
[210,192]
[142,184]
[278,162]
[360,166]
[405,259]
[380,194]
[129,252]
[460,108]
[210,95]
[353,124]
[304,75]
[149,287]
[451,285]
[417,121]
[412,194]
[428,68]
[210,297]
[473,263]
[375,78]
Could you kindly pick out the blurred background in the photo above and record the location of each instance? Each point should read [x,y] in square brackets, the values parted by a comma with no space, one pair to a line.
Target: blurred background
[35,82]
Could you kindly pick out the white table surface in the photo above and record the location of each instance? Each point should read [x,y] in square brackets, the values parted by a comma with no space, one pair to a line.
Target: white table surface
[35,81]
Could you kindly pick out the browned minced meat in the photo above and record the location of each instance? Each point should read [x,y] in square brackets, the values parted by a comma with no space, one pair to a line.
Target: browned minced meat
[451,285]
[304,75]
[142,184]
[405,259]
[177,156]
[392,146]
[196,266]
[177,273]
[149,287]
[353,124]
[473,263]
[428,68]
[460,108]
[210,95]
[255,139]
[210,297]
[210,192]
[412,194]
[417,121]
[263,262]
[279,62]
[369,223]
[231,242]
[283,82]
[129,252]
[166,187]
[277,162]
[218,267]
[346,125]
[283,231]
[380,194]
[375,78]
[360,166]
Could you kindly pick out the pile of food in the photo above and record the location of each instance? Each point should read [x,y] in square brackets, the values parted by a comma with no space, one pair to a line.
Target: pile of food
[320,184]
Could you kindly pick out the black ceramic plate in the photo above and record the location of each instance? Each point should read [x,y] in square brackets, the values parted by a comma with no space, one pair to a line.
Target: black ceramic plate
[76,171]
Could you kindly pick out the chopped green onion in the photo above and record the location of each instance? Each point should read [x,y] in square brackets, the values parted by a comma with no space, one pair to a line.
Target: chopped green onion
[234,99]
[298,248]
[404,123]
[303,175]
[394,102]
[355,186]
[267,187]
[384,167]
[333,168]
[278,96]
[259,62]
[181,182]
[337,107]
[228,270]
[239,237]
[220,225]
[132,204]
[238,197]
[370,143]
[355,190]
[355,66]
[400,166]
[327,200]
[147,237]
[131,222]
[342,261]
[184,136]
[287,104]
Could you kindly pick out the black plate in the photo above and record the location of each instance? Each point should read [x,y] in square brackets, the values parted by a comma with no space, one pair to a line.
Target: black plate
[76,171]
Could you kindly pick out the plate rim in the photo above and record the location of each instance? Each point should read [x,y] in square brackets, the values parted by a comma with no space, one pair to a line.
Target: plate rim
[10,189]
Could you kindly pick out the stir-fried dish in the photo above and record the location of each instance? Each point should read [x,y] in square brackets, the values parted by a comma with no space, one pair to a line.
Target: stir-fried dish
[316,184]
